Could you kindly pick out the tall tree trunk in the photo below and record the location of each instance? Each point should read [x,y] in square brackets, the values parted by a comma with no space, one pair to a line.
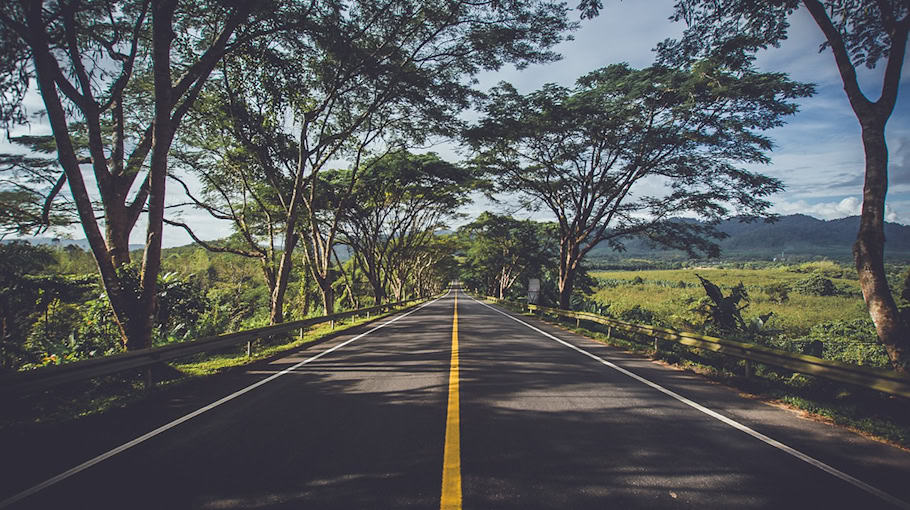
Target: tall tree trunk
[568,270]
[276,301]
[117,232]
[378,291]
[276,298]
[121,301]
[868,251]
[305,287]
[163,135]
[566,285]
[328,295]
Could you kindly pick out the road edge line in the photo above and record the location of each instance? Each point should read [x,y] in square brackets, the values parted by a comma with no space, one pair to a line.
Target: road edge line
[884,496]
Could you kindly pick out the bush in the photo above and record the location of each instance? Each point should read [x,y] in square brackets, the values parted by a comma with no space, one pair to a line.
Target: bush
[638,315]
[777,292]
[850,341]
[824,268]
[816,285]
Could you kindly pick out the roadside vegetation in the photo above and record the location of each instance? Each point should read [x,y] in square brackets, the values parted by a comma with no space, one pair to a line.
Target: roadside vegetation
[54,311]
[812,308]
[88,398]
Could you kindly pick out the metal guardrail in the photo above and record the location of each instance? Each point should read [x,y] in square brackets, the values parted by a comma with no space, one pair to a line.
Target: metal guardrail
[877,379]
[22,383]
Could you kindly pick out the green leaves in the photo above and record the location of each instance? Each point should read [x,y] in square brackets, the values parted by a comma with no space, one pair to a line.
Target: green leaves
[580,150]
[625,152]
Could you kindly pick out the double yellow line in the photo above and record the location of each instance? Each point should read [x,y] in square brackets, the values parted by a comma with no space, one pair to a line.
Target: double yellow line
[451,457]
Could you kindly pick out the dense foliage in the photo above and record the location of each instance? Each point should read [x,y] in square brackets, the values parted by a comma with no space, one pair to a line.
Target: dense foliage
[53,309]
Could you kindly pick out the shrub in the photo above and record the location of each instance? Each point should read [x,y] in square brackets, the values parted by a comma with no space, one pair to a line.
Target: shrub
[825,268]
[777,292]
[638,315]
[852,341]
[815,285]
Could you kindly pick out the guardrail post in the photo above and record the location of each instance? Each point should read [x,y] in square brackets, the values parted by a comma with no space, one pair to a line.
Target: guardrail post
[332,324]
[249,348]
[577,322]
[301,334]
[747,371]
[656,349]
[609,332]
[147,383]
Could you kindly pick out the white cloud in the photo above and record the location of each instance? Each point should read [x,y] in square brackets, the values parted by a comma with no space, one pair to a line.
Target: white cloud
[849,206]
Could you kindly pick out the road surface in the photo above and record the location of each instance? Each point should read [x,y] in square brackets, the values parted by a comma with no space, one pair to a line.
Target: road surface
[426,410]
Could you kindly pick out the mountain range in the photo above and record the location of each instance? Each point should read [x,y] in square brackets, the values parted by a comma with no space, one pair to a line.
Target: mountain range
[792,236]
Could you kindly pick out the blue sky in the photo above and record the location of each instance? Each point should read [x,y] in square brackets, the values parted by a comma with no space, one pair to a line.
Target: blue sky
[819,155]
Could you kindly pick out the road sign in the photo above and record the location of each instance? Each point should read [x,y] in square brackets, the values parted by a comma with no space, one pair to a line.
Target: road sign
[533,291]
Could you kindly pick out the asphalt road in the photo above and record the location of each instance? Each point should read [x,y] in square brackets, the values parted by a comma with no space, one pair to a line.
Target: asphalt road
[540,424]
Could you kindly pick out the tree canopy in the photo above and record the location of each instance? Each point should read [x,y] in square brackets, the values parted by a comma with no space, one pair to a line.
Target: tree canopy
[626,152]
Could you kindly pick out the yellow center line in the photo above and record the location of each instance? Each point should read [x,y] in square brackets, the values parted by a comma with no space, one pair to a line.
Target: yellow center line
[451,457]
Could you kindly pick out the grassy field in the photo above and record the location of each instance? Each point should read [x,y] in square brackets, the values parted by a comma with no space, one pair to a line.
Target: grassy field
[672,298]
[661,293]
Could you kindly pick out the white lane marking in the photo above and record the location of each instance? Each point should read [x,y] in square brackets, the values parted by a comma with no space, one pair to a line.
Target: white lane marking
[717,416]
[126,446]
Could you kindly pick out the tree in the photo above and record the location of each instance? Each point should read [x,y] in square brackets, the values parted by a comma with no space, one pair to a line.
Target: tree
[435,265]
[429,51]
[26,294]
[857,33]
[19,295]
[503,250]
[587,153]
[26,183]
[395,200]
[247,173]
[110,66]
[366,80]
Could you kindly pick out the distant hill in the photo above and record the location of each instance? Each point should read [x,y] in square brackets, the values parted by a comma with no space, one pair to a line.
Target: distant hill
[53,241]
[792,236]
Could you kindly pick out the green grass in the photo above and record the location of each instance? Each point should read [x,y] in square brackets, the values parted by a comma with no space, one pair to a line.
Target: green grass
[661,293]
[213,364]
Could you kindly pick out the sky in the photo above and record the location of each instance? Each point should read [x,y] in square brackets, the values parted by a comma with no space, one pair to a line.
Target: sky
[818,153]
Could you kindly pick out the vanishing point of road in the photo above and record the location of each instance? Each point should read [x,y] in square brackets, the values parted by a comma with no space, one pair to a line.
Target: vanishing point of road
[456,404]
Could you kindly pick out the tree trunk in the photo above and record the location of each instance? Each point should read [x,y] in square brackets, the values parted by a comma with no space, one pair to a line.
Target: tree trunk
[276,302]
[305,287]
[117,232]
[328,295]
[121,302]
[568,269]
[378,291]
[566,285]
[163,135]
[868,251]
